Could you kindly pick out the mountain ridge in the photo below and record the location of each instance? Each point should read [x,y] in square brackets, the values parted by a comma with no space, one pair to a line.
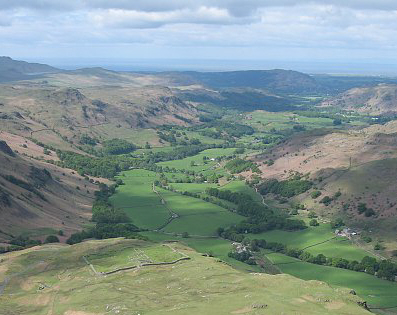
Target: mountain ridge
[14,70]
[375,100]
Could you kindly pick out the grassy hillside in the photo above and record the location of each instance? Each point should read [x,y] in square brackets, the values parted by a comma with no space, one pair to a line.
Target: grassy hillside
[56,279]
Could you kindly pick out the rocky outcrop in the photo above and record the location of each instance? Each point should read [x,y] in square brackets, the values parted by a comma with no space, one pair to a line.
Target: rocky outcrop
[6,149]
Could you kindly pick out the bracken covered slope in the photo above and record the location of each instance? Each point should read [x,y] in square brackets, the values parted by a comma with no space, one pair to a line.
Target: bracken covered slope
[35,195]
[375,100]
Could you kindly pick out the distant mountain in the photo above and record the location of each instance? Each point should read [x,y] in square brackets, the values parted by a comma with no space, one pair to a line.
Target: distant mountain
[375,100]
[276,81]
[244,99]
[336,84]
[13,70]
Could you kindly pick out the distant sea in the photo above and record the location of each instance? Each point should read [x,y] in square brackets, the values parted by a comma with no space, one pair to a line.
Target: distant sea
[158,65]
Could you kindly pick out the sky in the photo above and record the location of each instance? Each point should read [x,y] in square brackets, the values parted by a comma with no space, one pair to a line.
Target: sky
[333,36]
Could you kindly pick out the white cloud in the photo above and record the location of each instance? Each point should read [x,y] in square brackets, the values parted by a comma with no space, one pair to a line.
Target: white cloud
[238,7]
[139,19]
[218,28]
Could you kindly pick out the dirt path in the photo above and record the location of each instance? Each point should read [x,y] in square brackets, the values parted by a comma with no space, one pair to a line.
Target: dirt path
[263,198]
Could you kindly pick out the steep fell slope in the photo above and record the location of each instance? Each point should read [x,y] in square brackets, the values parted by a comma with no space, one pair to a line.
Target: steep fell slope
[36,195]
[376,100]
[356,166]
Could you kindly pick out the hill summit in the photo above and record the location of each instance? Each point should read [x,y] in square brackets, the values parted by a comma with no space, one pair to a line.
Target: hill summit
[12,70]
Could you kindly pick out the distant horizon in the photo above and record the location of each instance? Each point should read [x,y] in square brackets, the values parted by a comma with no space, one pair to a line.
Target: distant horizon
[337,37]
[317,67]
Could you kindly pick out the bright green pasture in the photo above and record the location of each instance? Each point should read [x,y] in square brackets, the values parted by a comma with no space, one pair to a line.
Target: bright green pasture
[196,216]
[175,176]
[338,248]
[372,289]
[203,224]
[146,210]
[138,200]
[203,139]
[265,121]
[287,117]
[193,187]
[198,160]
[298,239]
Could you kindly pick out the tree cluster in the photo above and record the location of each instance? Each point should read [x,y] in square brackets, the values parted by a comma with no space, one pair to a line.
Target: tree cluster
[239,165]
[118,146]
[110,222]
[259,217]
[362,208]
[286,188]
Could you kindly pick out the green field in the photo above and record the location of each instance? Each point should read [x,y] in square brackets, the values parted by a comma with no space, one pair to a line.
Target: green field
[193,187]
[376,291]
[145,208]
[203,139]
[265,121]
[339,247]
[197,216]
[186,163]
[234,186]
[138,200]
